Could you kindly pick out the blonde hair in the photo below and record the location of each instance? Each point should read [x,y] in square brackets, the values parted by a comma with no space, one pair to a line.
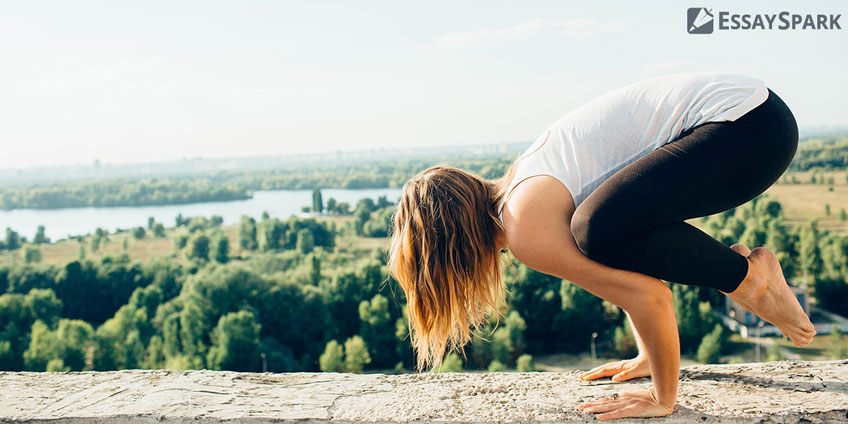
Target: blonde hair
[444,255]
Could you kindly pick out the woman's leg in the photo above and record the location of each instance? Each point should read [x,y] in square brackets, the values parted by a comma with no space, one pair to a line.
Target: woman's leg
[634,220]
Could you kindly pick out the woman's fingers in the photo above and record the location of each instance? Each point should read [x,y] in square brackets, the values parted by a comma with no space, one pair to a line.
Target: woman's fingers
[627,404]
[642,369]
[620,371]
[627,411]
[606,407]
[605,370]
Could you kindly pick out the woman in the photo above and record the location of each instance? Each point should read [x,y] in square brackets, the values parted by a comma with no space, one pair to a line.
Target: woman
[600,199]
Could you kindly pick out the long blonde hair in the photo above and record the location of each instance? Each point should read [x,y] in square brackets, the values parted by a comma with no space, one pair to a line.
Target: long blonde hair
[444,255]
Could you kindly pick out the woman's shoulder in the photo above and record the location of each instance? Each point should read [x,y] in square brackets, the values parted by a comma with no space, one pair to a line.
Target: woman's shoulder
[538,201]
[537,222]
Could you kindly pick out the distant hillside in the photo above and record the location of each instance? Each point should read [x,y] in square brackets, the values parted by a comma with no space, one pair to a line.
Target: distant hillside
[825,152]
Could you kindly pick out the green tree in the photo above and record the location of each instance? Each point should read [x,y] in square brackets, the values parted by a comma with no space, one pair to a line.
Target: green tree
[377,330]
[42,347]
[496,366]
[13,239]
[138,233]
[180,240]
[625,341]
[451,363]
[843,216]
[247,233]
[332,360]
[39,237]
[694,319]
[158,229]
[220,247]
[317,202]
[809,254]
[305,241]
[711,345]
[31,254]
[827,208]
[525,363]
[198,247]
[356,354]
[235,343]
[192,327]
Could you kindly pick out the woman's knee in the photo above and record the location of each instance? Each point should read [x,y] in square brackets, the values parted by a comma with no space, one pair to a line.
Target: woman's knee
[592,234]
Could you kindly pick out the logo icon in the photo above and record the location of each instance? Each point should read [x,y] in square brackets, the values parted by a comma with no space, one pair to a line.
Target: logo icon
[699,20]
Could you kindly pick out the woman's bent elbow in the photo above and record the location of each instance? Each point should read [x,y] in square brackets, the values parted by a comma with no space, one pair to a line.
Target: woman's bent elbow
[654,300]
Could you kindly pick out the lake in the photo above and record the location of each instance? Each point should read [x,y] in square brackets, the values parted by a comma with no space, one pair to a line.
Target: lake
[60,223]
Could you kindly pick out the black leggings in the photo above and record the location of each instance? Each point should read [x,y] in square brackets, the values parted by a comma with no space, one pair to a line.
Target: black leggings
[634,220]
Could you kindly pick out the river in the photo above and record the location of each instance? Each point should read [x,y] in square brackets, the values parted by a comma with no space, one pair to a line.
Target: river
[60,223]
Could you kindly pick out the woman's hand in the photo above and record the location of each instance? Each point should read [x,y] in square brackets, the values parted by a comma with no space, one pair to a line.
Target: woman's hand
[640,403]
[621,370]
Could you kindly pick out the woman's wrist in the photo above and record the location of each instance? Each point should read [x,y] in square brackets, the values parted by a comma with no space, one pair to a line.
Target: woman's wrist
[656,400]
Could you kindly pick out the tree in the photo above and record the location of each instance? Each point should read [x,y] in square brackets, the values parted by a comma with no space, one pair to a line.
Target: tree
[625,341]
[496,366]
[150,221]
[827,208]
[235,343]
[317,202]
[13,239]
[356,354]
[711,345]
[138,233]
[525,363]
[198,247]
[305,241]
[843,216]
[98,239]
[809,255]
[158,229]
[377,330]
[451,363]
[31,254]
[247,233]
[694,319]
[42,347]
[332,360]
[220,247]
[331,205]
[39,237]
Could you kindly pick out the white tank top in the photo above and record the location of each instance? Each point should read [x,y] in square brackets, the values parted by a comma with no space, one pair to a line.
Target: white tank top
[591,143]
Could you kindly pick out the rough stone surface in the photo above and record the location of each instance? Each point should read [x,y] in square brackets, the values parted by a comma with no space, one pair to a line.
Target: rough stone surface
[775,392]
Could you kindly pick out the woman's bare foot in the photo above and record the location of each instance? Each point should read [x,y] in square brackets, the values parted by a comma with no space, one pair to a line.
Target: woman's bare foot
[765,293]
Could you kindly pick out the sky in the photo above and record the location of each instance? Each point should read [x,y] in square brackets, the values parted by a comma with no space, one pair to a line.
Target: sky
[147,81]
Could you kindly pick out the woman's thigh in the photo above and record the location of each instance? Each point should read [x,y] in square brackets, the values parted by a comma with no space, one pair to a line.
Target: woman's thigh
[707,169]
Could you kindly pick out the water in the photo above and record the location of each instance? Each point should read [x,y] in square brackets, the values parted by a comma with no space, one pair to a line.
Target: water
[60,223]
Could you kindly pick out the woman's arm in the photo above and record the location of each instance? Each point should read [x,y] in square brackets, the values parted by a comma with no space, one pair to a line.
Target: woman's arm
[541,238]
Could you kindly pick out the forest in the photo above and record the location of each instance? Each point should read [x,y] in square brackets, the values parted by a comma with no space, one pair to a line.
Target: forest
[819,153]
[310,294]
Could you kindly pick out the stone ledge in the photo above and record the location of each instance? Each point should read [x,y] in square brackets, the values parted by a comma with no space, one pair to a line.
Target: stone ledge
[775,392]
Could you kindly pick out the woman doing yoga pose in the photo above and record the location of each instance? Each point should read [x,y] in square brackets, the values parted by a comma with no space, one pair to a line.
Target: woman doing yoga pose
[600,199]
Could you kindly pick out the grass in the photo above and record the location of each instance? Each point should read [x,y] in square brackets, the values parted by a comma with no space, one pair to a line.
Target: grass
[803,202]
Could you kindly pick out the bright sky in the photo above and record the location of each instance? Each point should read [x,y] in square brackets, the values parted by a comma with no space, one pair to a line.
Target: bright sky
[160,80]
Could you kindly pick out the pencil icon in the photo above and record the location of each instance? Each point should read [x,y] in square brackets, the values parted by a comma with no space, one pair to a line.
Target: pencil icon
[703,17]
